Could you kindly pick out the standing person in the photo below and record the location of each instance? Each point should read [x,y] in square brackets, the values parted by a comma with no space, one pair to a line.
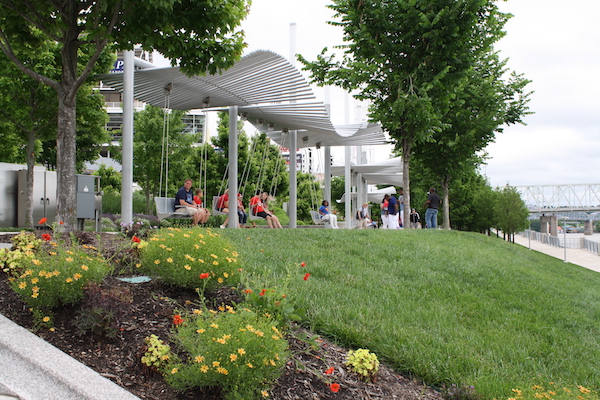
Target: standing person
[328,216]
[415,218]
[393,207]
[198,202]
[223,206]
[432,204]
[242,215]
[362,215]
[185,199]
[384,211]
[401,203]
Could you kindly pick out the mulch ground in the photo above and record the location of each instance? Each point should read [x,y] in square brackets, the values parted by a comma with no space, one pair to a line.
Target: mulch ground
[118,359]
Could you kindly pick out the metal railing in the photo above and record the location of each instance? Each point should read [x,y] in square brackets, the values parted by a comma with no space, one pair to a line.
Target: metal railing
[559,241]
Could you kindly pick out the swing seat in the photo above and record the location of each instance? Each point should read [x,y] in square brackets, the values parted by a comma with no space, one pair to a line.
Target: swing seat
[253,217]
[317,220]
[165,208]
[215,206]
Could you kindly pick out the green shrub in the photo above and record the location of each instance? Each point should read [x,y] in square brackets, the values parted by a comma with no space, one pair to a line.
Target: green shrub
[239,350]
[180,256]
[363,362]
[11,261]
[58,277]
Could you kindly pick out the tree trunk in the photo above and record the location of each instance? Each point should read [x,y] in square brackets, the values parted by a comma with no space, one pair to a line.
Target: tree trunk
[406,151]
[66,204]
[446,202]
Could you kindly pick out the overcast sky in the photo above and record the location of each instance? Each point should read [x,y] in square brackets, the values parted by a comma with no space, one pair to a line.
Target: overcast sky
[555,44]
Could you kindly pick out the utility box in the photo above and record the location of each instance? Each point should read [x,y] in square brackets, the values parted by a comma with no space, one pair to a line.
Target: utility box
[44,197]
[89,199]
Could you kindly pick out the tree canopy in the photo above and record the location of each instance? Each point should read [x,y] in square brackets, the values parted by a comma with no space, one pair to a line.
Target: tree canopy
[196,34]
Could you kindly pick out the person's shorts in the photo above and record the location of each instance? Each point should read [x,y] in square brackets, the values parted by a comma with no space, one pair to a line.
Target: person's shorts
[190,210]
[262,214]
[222,208]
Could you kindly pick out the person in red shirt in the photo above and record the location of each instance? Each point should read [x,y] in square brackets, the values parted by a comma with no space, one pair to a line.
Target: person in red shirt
[198,202]
[223,206]
[259,204]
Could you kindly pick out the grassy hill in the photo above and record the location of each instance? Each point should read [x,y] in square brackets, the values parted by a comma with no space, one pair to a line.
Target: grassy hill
[448,307]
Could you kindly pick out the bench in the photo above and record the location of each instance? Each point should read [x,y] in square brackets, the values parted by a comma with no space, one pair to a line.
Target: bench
[165,208]
[317,220]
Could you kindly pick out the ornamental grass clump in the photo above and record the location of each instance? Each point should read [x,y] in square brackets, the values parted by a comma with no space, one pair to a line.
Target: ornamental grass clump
[239,350]
[180,256]
[58,277]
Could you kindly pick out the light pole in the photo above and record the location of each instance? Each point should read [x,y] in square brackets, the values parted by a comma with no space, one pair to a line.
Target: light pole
[565,238]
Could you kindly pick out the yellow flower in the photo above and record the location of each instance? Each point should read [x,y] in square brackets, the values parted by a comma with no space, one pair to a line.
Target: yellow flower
[52,253]
[221,340]
[197,246]
[221,308]
[220,280]
[213,325]
[201,261]
[187,267]
[70,252]
[169,260]
[582,389]
[225,274]
[222,370]
[137,265]
[186,235]
[199,359]
[69,280]
[241,352]
[264,393]
[204,369]
[216,263]
[213,256]
[200,235]
[77,276]
[162,246]
[216,364]
[68,259]
[537,387]
[197,311]
[35,295]
[55,272]
[275,337]
[85,267]
[36,262]
[174,371]
[200,330]
[22,285]
[46,319]
[156,262]
[259,333]
[250,365]
[233,357]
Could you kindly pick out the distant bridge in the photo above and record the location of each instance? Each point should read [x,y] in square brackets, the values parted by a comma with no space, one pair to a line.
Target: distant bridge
[562,199]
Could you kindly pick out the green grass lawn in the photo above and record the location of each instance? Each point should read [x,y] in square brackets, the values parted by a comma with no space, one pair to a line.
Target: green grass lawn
[448,307]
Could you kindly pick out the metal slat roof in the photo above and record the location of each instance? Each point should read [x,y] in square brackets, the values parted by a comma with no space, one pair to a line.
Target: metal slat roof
[269,91]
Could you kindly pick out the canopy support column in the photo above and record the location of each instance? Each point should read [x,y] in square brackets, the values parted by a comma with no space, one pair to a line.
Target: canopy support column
[233,167]
[292,211]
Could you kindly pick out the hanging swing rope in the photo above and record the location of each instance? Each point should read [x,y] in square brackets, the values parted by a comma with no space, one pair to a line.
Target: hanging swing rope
[247,168]
[273,190]
[164,157]
[261,177]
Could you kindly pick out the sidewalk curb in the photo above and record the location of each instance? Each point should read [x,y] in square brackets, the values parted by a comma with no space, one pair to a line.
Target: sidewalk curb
[32,369]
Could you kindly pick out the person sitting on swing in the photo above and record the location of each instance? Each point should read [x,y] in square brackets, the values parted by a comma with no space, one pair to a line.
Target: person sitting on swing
[185,199]
[241,210]
[327,216]
[223,206]
[259,205]
[198,202]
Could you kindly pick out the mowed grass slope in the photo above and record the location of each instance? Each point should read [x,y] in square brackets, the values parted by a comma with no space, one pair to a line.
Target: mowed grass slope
[448,307]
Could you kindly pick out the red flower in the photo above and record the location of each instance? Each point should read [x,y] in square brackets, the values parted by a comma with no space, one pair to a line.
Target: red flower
[335,387]
[61,222]
[262,292]
[136,239]
[306,276]
[303,264]
[46,237]
[177,320]
[248,291]
[329,371]
[204,275]
[42,221]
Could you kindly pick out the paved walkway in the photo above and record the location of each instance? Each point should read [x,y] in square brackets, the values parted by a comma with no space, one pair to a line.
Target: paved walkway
[579,257]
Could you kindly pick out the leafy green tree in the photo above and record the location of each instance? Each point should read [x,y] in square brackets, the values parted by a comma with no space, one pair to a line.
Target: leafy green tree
[510,212]
[29,110]
[309,195]
[483,103]
[109,178]
[195,34]
[152,142]
[406,57]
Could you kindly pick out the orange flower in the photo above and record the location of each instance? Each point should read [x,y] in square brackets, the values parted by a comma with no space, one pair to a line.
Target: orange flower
[136,239]
[204,275]
[46,237]
[262,292]
[335,387]
[43,221]
[329,371]
[177,320]
[61,222]
[248,291]
[306,276]
[303,264]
